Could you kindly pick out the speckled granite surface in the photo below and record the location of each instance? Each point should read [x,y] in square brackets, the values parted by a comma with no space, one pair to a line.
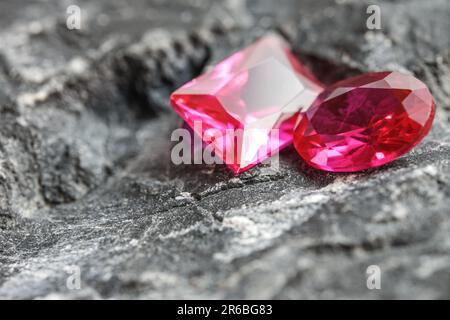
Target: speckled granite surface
[86,181]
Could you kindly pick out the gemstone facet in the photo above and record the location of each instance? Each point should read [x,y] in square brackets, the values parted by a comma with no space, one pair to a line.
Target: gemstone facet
[365,122]
[251,94]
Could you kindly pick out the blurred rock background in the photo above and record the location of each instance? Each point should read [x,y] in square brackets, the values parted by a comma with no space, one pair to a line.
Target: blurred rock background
[86,180]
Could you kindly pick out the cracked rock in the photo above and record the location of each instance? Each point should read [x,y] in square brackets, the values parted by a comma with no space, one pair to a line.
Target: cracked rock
[86,180]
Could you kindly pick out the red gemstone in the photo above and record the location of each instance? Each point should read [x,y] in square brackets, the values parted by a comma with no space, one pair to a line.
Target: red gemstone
[252,94]
[365,122]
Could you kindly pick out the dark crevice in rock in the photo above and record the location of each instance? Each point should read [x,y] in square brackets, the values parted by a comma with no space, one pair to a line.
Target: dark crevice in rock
[326,71]
[147,78]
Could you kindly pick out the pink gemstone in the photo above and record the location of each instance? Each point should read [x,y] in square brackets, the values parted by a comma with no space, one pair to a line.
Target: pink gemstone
[257,89]
[365,122]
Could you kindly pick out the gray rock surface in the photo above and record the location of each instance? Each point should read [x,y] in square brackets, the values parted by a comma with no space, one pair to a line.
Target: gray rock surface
[86,179]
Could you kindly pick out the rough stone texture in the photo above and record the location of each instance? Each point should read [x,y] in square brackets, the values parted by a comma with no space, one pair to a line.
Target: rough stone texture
[86,178]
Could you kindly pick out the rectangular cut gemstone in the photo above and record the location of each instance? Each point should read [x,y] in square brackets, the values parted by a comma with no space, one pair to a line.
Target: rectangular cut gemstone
[248,104]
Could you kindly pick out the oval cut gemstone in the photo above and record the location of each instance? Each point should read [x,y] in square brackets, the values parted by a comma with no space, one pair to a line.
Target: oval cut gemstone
[365,122]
